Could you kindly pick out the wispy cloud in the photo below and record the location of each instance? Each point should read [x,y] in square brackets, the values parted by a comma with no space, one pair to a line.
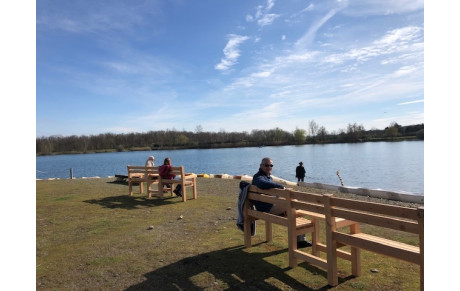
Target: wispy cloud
[231,52]
[387,7]
[397,40]
[308,37]
[262,15]
[100,16]
[411,102]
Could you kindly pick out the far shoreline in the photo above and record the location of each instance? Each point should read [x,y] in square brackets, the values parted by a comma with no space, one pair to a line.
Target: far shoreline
[222,146]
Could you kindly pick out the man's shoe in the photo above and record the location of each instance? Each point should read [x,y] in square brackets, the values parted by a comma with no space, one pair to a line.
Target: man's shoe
[177,193]
[303,244]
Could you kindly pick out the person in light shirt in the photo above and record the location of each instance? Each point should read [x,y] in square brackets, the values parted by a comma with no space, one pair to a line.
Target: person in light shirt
[150,162]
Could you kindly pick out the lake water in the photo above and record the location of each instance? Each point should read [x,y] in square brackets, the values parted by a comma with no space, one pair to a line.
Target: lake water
[392,166]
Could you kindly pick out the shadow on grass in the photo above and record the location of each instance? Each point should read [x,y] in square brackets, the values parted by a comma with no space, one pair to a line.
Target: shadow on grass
[119,182]
[229,269]
[133,202]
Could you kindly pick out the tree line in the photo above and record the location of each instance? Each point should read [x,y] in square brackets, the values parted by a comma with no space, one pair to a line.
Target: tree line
[174,139]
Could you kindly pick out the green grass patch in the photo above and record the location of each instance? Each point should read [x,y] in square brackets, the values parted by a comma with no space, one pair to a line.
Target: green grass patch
[91,235]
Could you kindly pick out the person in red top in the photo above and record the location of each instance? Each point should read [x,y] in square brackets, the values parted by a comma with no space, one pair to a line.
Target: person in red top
[165,173]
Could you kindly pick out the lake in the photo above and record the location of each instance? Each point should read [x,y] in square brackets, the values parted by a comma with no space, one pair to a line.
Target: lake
[392,166]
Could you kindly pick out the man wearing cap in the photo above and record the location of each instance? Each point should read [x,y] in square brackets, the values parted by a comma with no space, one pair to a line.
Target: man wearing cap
[300,172]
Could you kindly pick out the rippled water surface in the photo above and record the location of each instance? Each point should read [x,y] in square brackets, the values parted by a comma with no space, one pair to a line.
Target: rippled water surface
[394,166]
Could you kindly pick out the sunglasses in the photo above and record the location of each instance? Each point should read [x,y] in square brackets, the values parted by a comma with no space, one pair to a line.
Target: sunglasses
[268,165]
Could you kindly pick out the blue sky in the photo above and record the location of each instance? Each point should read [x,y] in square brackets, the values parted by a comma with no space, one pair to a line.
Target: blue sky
[136,66]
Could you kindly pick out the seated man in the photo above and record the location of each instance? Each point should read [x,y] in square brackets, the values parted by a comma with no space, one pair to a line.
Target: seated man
[263,180]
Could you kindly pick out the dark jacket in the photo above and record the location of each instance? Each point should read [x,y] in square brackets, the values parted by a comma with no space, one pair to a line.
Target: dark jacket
[261,180]
[242,194]
[300,172]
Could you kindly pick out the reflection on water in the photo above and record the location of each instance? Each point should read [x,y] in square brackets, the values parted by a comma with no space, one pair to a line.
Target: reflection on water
[394,166]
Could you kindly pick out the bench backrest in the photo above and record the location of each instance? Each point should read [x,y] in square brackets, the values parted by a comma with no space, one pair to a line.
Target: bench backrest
[389,216]
[135,170]
[140,171]
[307,202]
[178,171]
[268,195]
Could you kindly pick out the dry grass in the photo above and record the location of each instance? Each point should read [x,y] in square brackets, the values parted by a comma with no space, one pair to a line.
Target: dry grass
[92,236]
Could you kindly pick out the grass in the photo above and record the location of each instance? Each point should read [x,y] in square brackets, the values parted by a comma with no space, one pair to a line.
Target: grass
[92,236]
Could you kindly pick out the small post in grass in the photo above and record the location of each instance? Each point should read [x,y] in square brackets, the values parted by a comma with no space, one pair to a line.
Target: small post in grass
[71,173]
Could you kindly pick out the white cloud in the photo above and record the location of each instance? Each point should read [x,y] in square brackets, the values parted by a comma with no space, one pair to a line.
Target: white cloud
[231,52]
[405,71]
[267,19]
[262,14]
[309,36]
[411,102]
[366,7]
[400,36]
[397,40]
[261,74]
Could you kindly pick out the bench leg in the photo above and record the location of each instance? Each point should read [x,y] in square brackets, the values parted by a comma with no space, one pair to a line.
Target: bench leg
[355,253]
[292,237]
[184,193]
[247,233]
[315,237]
[331,243]
[141,185]
[268,231]
[195,194]
[149,189]
[130,189]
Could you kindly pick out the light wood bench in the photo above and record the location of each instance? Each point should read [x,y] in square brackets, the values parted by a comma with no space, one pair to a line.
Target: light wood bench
[140,175]
[311,206]
[182,178]
[410,220]
[272,196]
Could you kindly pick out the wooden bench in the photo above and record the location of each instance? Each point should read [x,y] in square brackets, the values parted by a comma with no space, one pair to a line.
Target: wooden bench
[140,175]
[311,206]
[410,220]
[272,196]
[182,178]
[306,210]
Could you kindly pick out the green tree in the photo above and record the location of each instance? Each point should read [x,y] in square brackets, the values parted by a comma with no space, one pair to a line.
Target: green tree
[181,139]
[300,135]
[392,130]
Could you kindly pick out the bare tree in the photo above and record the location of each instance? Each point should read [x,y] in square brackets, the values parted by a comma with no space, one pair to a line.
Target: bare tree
[313,128]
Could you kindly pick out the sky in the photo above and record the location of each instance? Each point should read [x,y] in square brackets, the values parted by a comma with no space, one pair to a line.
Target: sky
[230,65]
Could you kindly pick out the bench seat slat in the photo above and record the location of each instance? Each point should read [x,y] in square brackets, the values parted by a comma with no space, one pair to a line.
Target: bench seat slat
[380,245]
